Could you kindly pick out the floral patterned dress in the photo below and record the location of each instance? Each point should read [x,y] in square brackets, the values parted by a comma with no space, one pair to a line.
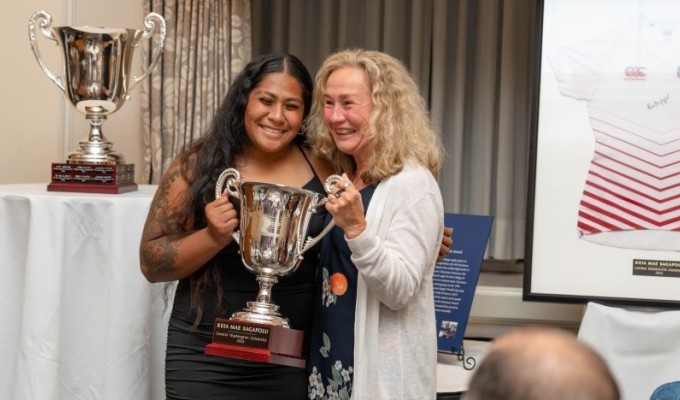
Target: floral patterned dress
[331,357]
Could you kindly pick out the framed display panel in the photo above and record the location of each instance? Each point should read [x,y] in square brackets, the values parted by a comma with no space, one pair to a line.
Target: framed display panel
[603,220]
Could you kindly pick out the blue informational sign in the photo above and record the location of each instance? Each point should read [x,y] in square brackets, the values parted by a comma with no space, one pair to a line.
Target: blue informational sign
[455,278]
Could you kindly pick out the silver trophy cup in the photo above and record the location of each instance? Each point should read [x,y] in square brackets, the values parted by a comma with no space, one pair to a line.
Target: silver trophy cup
[272,235]
[97,77]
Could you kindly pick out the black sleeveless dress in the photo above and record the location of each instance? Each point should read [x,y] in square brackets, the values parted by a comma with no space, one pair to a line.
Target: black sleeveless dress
[191,374]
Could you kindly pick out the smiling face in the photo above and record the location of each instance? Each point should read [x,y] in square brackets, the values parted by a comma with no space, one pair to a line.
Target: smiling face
[347,107]
[274,112]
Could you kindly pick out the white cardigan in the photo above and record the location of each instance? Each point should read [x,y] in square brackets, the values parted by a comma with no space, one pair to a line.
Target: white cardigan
[395,343]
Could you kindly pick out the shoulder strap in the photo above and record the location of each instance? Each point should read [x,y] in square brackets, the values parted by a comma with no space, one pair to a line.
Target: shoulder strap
[308,162]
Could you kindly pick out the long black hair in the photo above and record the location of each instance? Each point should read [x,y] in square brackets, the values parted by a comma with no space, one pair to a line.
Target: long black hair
[222,144]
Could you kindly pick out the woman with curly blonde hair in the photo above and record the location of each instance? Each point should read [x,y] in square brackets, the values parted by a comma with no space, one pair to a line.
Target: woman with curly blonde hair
[399,125]
[373,334]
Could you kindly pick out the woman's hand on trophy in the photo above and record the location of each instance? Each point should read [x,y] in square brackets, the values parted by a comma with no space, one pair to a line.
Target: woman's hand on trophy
[345,204]
[222,219]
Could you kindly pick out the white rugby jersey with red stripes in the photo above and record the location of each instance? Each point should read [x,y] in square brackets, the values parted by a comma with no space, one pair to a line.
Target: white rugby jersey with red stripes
[630,79]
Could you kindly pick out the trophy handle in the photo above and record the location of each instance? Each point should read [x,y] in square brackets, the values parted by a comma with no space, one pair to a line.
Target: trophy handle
[43,20]
[231,177]
[150,22]
[328,185]
[311,241]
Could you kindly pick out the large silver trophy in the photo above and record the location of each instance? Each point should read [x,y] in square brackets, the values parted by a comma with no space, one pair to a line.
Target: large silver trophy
[272,238]
[97,80]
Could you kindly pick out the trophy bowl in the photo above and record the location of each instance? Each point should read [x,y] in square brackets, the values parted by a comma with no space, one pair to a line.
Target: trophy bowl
[272,235]
[96,77]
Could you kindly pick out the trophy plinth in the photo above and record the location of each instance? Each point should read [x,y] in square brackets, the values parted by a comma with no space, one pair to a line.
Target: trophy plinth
[95,168]
[272,237]
[97,81]
[92,178]
[257,342]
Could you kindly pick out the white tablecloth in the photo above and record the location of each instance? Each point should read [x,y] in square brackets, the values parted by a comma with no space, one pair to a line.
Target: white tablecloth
[77,318]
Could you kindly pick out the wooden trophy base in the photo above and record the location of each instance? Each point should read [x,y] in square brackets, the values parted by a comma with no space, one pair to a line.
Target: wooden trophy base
[257,342]
[92,178]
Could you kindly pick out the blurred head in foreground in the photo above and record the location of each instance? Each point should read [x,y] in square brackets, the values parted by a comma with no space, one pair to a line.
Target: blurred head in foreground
[541,363]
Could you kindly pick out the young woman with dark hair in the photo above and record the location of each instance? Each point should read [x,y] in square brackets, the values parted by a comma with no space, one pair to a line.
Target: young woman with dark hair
[187,235]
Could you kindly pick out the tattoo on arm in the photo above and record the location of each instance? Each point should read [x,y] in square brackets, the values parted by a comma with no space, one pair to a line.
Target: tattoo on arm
[167,223]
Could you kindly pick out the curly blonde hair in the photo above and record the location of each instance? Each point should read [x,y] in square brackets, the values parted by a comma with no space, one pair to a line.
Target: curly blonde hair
[399,125]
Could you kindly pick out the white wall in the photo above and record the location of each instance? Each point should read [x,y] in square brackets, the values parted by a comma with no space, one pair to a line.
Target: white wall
[39,125]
